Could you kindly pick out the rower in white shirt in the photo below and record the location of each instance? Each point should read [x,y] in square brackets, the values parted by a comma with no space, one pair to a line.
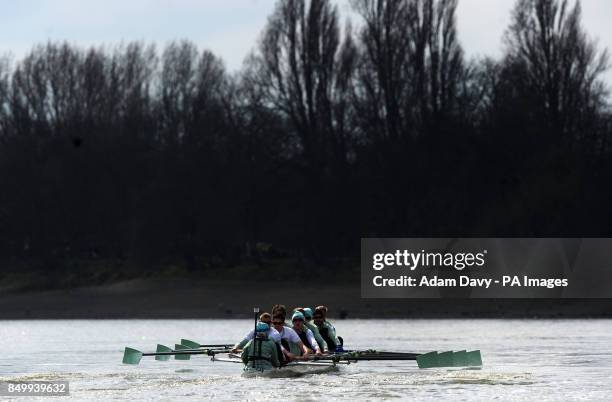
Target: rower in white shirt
[272,333]
[290,340]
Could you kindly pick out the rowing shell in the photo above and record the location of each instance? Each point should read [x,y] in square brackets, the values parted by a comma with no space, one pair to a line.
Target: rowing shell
[449,359]
[292,369]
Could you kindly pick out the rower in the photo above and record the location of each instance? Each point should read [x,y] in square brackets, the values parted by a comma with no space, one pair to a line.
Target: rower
[272,334]
[327,330]
[279,309]
[305,334]
[260,353]
[290,340]
[307,311]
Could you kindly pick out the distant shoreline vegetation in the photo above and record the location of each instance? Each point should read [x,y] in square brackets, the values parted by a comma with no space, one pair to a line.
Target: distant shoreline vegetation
[328,134]
[68,273]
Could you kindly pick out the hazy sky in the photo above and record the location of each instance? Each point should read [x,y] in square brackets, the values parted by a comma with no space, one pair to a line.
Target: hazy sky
[227,27]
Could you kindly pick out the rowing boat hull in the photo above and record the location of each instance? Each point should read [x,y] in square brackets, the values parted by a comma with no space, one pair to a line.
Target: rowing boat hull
[291,370]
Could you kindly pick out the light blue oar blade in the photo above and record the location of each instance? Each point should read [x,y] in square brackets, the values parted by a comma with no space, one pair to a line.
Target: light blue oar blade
[445,359]
[473,359]
[178,347]
[428,360]
[162,348]
[460,359]
[131,356]
[190,344]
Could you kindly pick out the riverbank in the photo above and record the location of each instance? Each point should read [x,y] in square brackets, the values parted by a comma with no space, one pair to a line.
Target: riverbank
[211,298]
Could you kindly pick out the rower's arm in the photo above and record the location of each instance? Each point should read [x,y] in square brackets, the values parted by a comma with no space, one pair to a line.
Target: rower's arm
[245,354]
[332,334]
[311,340]
[320,339]
[241,344]
[303,347]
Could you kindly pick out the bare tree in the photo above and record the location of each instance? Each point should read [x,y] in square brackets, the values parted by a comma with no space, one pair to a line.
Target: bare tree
[412,65]
[177,86]
[562,66]
[440,59]
[385,73]
[303,70]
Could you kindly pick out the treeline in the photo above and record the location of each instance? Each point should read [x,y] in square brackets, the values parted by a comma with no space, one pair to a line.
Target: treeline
[329,133]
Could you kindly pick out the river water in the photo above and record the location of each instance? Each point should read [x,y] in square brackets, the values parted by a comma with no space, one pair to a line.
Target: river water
[531,360]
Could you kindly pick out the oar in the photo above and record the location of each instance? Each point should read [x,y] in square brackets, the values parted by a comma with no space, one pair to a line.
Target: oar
[183,348]
[383,357]
[450,359]
[410,356]
[196,345]
[337,358]
[374,354]
[435,359]
[133,356]
[426,360]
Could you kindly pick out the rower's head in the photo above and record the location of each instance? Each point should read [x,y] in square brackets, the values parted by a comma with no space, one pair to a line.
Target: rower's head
[278,321]
[261,330]
[266,318]
[318,318]
[279,309]
[298,320]
[323,311]
[307,311]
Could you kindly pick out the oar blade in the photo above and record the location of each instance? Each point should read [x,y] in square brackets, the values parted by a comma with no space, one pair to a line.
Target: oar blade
[162,348]
[178,348]
[428,360]
[460,359]
[190,344]
[445,359]
[473,359]
[450,359]
[131,356]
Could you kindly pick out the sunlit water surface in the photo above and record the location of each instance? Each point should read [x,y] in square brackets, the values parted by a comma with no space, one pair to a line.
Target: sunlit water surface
[532,360]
